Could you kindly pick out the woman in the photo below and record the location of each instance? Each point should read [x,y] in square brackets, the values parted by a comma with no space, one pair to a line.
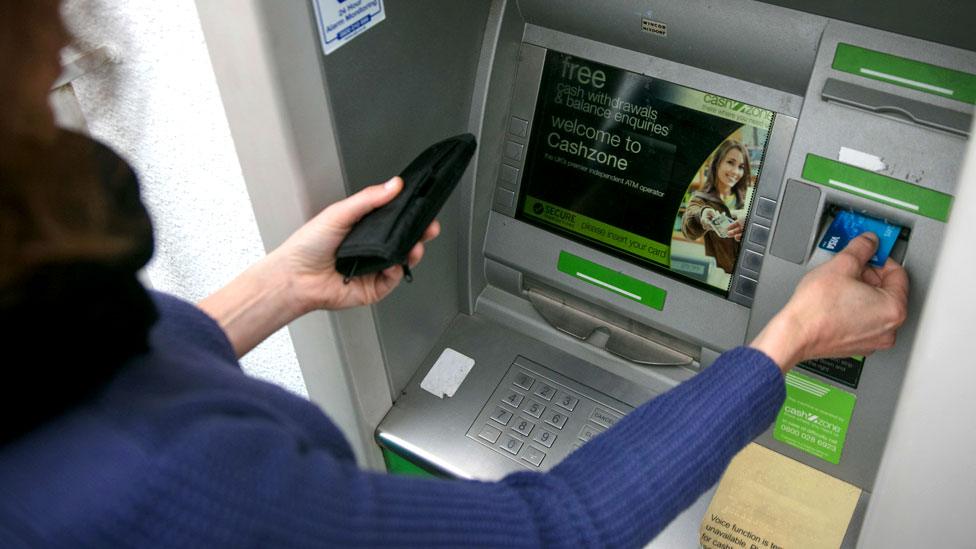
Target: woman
[709,211]
[157,439]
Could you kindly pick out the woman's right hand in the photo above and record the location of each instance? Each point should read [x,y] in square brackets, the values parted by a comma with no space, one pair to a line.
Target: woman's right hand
[842,308]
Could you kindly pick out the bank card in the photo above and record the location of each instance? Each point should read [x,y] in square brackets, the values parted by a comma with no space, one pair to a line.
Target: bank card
[849,225]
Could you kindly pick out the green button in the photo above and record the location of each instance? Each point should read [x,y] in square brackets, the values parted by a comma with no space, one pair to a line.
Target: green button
[879,188]
[611,280]
[906,73]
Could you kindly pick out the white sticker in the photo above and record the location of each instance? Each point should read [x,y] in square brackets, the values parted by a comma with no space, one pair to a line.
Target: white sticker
[447,373]
[861,159]
[340,21]
[654,27]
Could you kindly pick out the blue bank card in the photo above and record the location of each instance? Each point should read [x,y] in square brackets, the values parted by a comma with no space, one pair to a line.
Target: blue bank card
[848,225]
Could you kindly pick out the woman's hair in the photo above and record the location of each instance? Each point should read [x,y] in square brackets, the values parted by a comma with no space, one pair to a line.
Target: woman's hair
[711,184]
[57,206]
[31,35]
[53,202]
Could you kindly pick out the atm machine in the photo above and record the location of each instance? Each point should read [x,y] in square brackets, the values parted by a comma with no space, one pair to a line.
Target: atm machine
[572,283]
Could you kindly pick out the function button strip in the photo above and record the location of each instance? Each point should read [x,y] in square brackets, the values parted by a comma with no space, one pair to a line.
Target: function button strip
[536,416]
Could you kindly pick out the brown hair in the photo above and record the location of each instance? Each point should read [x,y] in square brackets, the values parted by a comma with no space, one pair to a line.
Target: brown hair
[31,35]
[53,202]
[711,187]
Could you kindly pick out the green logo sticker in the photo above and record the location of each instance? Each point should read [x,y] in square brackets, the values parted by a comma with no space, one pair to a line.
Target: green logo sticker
[815,417]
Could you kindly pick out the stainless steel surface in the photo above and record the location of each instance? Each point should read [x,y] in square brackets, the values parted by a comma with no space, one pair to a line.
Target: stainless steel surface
[446,434]
[911,152]
[581,321]
[884,103]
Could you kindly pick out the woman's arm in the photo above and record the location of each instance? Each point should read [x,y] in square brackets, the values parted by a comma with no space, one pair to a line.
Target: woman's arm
[300,276]
[691,225]
[844,307]
[618,490]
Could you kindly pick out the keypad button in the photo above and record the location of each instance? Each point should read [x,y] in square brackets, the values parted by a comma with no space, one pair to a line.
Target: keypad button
[746,286]
[501,415]
[533,408]
[510,444]
[534,455]
[566,401]
[759,235]
[603,417]
[588,432]
[765,208]
[513,150]
[513,399]
[544,391]
[524,381]
[752,260]
[556,419]
[490,434]
[508,174]
[518,127]
[523,426]
[545,438]
[504,198]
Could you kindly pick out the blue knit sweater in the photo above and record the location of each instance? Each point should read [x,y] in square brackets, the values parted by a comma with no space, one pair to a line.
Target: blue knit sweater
[182,450]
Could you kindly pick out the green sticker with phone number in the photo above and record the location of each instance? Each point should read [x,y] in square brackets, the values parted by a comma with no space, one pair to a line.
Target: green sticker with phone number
[815,417]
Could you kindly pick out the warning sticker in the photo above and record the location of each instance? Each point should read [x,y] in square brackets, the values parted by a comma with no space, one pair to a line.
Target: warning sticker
[814,417]
[768,501]
[340,21]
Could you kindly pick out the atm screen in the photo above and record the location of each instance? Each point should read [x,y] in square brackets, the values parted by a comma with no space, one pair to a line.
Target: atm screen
[658,174]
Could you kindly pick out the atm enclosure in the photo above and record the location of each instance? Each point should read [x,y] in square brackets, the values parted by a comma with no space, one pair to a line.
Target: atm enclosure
[570,326]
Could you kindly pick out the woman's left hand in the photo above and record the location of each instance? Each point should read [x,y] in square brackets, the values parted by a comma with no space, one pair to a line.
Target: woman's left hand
[309,255]
[735,231]
[300,275]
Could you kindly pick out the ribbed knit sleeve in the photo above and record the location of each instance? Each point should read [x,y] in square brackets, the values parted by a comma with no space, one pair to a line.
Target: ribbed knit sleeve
[240,480]
[181,449]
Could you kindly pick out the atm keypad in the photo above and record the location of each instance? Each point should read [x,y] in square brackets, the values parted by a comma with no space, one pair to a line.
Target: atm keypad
[536,416]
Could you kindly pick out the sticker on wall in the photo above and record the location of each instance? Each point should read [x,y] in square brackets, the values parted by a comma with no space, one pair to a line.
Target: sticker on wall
[814,417]
[766,500]
[340,21]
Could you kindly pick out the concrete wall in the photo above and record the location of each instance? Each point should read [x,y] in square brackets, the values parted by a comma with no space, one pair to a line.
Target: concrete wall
[158,106]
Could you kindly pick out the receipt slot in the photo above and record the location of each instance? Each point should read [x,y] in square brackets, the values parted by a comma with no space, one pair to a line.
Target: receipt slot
[573,275]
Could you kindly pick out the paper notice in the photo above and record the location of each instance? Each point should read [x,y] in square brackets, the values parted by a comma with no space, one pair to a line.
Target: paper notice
[766,500]
[447,373]
[861,159]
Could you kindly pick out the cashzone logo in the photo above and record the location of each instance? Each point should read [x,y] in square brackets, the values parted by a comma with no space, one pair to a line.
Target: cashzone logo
[737,106]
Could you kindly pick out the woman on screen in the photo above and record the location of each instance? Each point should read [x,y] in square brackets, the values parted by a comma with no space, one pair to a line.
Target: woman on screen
[710,211]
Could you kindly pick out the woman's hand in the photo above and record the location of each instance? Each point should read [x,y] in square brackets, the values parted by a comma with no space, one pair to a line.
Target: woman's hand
[309,254]
[844,307]
[300,276]
[735,231]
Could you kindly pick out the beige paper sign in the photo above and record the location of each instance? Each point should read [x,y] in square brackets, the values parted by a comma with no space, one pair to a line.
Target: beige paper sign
[768,501]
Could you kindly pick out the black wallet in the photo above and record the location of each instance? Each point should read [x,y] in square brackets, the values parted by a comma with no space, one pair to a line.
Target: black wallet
[385,236]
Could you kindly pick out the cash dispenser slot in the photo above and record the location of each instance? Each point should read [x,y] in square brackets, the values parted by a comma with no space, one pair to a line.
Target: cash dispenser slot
[613,333]
[884,103]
